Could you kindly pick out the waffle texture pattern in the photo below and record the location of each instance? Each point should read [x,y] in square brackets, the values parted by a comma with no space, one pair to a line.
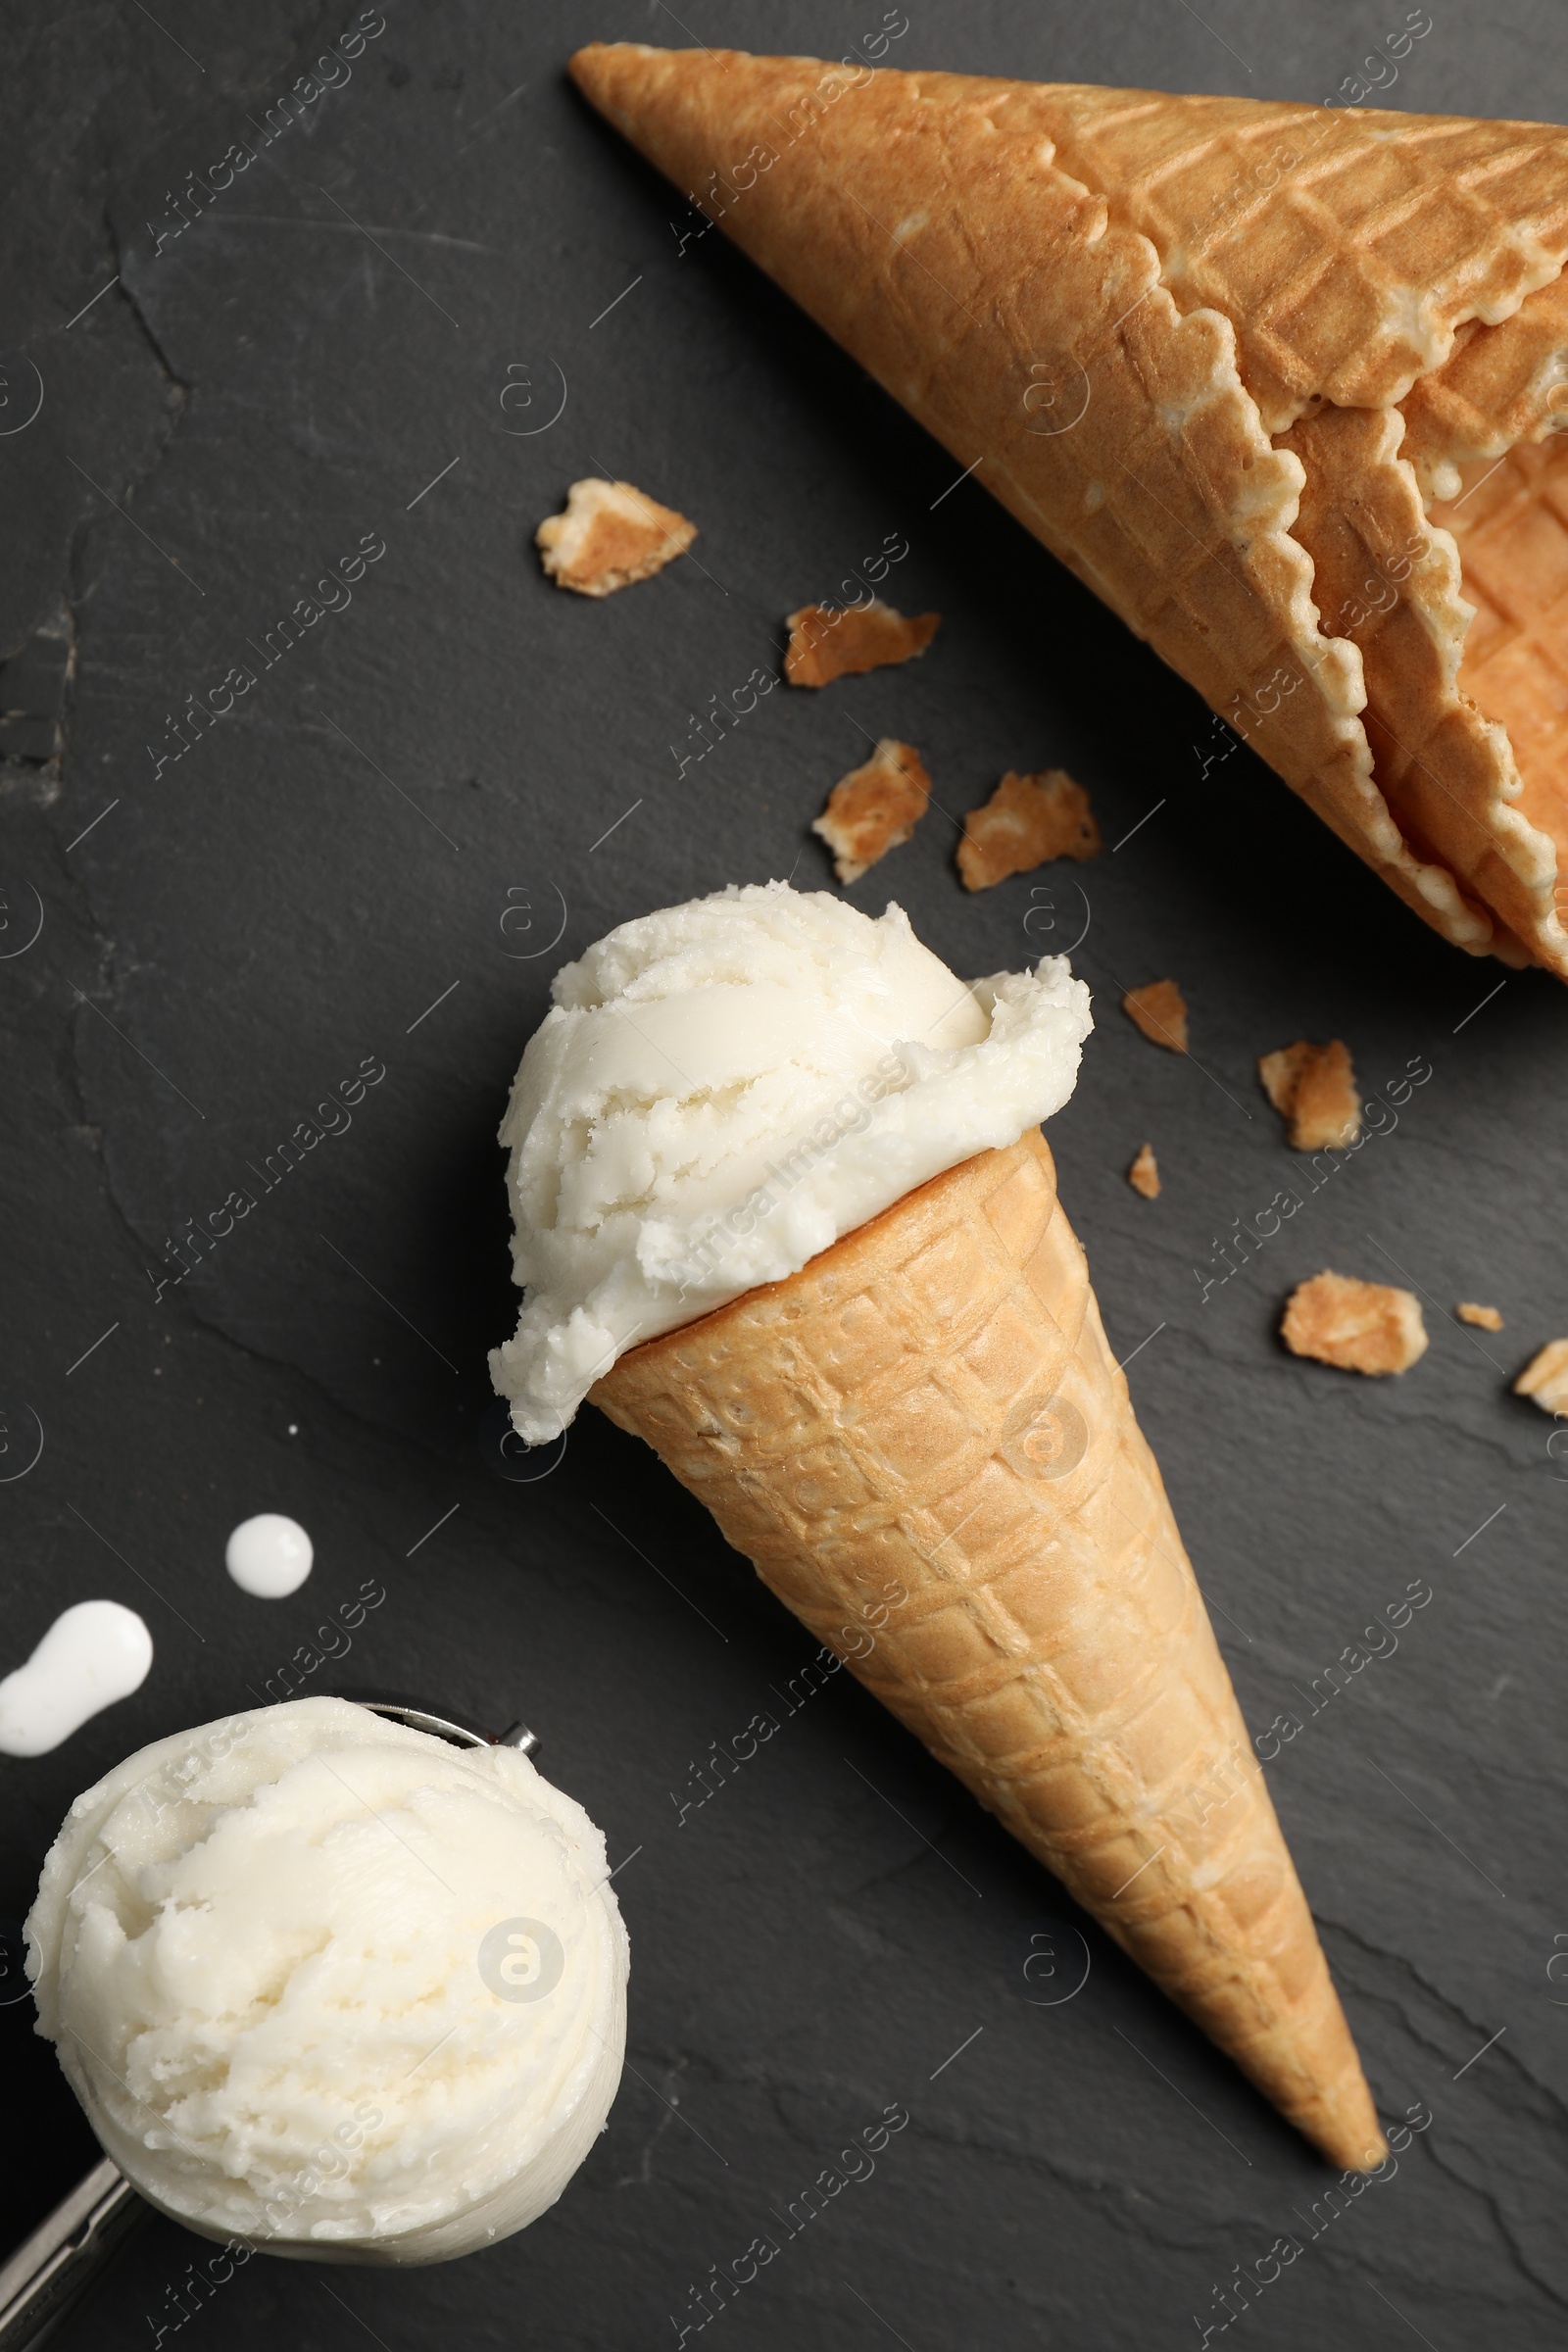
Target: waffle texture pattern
[1179,338]
[925,1432]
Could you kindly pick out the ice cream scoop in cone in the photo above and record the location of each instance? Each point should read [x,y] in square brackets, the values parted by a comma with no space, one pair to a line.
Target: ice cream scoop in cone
[1242,366]
[902,1407]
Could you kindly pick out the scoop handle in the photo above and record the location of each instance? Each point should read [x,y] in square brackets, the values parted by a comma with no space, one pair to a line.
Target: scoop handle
[65,2253]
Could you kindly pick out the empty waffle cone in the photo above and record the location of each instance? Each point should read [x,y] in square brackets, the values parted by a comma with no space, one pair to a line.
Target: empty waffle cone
[930,1409]
[1225,358]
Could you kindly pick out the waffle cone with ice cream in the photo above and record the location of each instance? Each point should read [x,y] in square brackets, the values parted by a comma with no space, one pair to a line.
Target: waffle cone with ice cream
[900,1406]
[1277,381]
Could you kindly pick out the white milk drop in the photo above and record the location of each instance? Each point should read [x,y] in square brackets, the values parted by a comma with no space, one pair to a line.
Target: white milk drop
[270,1555]
[92,1655]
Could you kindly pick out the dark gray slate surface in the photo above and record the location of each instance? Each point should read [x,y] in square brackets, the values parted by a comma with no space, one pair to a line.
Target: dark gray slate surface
[324,879]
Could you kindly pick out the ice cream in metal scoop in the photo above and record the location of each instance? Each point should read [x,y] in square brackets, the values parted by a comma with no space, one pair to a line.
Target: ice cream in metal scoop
[344,1980]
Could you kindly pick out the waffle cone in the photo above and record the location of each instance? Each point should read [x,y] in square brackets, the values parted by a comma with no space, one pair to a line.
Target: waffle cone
[923,1444]
[1182,340]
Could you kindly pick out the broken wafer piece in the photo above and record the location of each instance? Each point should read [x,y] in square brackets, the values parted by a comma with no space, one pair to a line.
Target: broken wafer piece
[828,641]
[1485,1318]
[1027,821]
[1314,1087]
[1159,1011]
[874,808]
[1143,1174]
[1546,1377]
[1366,1327]
[609,535]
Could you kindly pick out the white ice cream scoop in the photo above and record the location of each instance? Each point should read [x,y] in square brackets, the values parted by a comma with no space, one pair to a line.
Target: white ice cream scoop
[723,1089]
[341,1980]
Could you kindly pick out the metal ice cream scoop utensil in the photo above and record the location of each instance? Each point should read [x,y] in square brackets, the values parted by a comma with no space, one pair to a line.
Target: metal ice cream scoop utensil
[67,2252]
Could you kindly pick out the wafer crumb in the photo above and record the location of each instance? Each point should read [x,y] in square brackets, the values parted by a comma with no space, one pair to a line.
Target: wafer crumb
[1360,1326]
[1314,1087]
[828,641]
[608,535]
[1027,820]
[1143,1174]
[1546,1377]
[874,808]
[1160,1012]
[1485,1318]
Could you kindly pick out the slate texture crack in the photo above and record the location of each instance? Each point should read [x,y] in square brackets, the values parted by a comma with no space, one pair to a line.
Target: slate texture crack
[130,292]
